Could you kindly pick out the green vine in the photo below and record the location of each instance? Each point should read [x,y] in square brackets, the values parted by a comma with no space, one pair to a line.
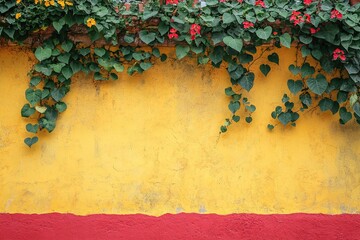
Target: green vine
[106,37]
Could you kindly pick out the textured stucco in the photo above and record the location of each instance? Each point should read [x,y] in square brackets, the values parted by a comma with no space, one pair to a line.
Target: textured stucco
[149,144]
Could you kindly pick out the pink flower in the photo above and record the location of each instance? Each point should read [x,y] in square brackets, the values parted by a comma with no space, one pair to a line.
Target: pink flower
[338,53]
[247,24]
[172,2]
[336,14]
[296,18]
[260,3]
[173,34]
[314,30]
[194,29]
[307,17]
[222,1]
[240,1]
[307,2]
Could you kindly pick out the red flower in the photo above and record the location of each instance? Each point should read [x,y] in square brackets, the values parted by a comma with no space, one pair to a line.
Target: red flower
[308,18]
[240,1]
[338,53]
[275,33]
[307,2]
[296,17]
[173,34]
[194,29]
[247,24]
[260,3]
[314,30]
[172,2]
[336,14]
[222,1]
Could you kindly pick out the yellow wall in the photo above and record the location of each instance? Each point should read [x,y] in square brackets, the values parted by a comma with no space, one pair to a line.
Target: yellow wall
[149,144]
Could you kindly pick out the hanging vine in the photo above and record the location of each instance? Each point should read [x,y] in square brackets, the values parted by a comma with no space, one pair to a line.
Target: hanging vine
[106,37]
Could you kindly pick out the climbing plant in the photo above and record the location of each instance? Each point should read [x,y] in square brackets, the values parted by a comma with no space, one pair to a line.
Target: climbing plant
[106,37]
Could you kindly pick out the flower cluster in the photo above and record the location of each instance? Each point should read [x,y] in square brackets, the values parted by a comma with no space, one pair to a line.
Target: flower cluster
[338,53]
[248,24]
[174,2]
[90,22]
[173,34]
[49,3]
[336,14]
[194,29]
[307,2]
[314,30]
[297,18]
[260,3]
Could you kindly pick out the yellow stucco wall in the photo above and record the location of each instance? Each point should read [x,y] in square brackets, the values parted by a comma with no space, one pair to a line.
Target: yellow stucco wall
[149,144]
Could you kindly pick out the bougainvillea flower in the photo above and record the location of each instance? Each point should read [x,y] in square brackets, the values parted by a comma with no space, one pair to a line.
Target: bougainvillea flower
[307,2]
[338,53]
[314,30]
[174,2]
[247,24]
[296,17]
[194,29]
[260,3]
[173,34]
[335,14]
[307,18]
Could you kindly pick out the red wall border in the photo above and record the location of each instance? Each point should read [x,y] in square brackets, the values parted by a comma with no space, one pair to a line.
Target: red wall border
[180,226]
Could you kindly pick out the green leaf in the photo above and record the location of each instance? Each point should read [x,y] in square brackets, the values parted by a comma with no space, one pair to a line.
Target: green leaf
[60,106]
[305,98]
[294,70]
[317,85]
[295,86]
[305,39]
[43,53]
[145,65]
[182,51]
[328,32]
[274,57]
[245,58]
[264,33]
[345,116]
[234,106]
[31,141]
[64,58]
[146,36]
[228,18]
[229,91]
[270,126]
[118,67]
[58,93]
[285,40]
[32,128]
[67,46]
[100,52]
[149,14]
[342,97]
[248,119]
[27,111]
[326,104]
[33,96]
[251,108]
[223,129]
[236,118]
[217,54]
[305,51]
[356,108]
[34,81]
[247,81]
[353,99]
[58,25]
[265,69]
[129,38]
[163,28]
[235,44]
[285,117]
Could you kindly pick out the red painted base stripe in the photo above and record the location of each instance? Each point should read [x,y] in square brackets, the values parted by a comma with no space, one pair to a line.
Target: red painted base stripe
[179,226]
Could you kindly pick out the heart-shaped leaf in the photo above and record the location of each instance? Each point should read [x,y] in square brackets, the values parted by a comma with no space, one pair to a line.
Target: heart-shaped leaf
[31,141]
[317,85]
[235,44]
[33,96]
[247,81]
[32,128]
[42,53]
[295,86]
[274,58]
[147,37]
[182,51]
[234,106]
[265,69]
[264,33]
[285,40]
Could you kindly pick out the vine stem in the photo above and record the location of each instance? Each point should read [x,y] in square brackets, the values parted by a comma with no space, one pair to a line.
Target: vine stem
[261,54]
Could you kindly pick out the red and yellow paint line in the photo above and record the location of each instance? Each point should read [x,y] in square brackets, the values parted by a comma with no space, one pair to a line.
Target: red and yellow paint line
[180,226]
